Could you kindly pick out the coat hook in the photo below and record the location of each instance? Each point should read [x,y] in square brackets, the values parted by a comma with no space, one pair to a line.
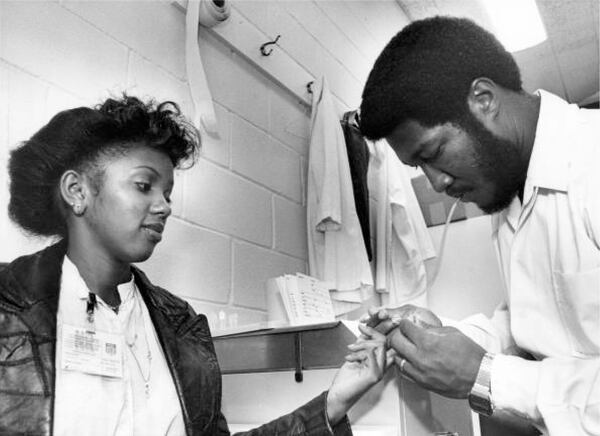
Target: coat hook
[309,86]
[264,46]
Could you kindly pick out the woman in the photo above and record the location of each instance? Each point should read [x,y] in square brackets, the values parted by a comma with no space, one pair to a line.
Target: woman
[87,344]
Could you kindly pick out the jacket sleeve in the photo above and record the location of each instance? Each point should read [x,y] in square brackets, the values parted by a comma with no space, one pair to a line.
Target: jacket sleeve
[308,420]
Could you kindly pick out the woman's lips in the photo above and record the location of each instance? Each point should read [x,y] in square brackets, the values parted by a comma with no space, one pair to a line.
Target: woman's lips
[155,230]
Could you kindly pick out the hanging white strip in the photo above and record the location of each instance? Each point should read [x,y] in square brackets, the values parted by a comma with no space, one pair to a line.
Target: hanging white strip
[209,14]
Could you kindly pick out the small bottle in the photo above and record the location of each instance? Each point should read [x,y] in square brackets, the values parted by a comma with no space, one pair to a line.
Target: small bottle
[222,320]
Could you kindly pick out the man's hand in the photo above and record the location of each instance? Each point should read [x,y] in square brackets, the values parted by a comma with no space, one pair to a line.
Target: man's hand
[440,359]
[364,369]
[385,320]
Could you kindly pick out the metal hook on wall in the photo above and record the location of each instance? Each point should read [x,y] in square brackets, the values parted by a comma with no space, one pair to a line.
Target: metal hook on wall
[263,48]
[309,86]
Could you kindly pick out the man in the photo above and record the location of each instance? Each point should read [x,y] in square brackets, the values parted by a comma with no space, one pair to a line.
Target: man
[448,98]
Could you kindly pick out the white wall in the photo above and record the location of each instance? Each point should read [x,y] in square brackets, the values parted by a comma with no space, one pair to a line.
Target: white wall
[239,214]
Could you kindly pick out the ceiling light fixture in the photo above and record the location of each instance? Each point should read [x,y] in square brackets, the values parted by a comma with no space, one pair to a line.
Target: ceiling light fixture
[517,23]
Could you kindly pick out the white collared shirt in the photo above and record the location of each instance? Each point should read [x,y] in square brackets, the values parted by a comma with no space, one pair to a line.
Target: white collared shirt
[336,248]
[549,252]
[403,242]
[93,405]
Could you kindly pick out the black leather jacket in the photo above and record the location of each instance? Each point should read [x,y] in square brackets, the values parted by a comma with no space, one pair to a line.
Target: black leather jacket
[29,290]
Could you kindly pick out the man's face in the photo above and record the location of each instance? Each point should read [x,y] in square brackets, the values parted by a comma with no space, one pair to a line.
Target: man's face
[467,162]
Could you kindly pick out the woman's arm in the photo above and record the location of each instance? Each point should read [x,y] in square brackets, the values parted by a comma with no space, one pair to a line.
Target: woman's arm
[326,414]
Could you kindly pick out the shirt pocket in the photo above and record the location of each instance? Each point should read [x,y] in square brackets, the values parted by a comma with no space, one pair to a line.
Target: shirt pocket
[578,301]
[18,370]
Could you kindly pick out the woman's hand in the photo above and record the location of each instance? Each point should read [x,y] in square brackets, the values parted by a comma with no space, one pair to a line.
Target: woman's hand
[364,367]
[385,320]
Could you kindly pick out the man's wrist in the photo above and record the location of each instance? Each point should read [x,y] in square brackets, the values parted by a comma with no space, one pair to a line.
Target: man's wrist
[480,397]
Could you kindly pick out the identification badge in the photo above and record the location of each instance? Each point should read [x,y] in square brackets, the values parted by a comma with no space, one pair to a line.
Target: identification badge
[92,352]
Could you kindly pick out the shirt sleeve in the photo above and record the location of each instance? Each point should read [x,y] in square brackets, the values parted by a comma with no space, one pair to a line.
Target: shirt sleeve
[493,334]
[561,394]
[592,209]
[325,149]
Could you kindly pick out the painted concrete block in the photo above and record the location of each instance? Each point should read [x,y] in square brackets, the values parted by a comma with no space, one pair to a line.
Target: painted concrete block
[296,41]
[154,29]
[148,80]
[252,266]
[58,100]
[290,228]
[191,262]
[49,41]
[220,200]
[233,82]
[265,160]
[25,105]
[289,120]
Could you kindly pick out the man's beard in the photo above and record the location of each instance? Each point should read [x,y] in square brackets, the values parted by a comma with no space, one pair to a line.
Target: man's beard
[500,163]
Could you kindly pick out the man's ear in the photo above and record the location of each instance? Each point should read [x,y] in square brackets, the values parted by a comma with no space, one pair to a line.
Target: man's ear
[74,191]
[483,99]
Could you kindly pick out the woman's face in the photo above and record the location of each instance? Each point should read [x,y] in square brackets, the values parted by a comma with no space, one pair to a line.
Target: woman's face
[125,218]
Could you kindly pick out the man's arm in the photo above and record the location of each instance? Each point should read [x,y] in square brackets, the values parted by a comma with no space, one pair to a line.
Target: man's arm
[563,394]
[493,333]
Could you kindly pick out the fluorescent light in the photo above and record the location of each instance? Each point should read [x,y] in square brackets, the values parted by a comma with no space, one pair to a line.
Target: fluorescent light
[517,23]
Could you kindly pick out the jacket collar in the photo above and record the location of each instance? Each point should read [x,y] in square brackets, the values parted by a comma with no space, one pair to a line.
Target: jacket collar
[36,278]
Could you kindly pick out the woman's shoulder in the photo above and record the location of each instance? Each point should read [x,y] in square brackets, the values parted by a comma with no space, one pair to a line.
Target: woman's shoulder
[25,278]
[160,296]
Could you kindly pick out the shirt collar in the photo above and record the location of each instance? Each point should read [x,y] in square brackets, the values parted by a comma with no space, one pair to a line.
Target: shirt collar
[73,283]
[550,158]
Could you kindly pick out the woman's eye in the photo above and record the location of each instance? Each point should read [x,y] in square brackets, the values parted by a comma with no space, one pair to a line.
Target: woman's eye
[143,186]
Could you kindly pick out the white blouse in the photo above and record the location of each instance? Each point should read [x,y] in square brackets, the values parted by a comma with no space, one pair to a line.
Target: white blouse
[141,402]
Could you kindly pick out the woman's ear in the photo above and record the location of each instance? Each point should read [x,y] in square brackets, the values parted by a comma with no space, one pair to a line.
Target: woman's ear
[73,190]
[483,99]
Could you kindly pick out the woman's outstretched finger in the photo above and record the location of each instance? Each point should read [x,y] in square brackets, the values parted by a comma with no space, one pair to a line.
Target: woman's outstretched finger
[357,356]
[370,332]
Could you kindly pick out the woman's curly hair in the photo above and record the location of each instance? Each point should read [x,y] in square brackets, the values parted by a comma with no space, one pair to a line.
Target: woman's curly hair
[75,139]
[425,73]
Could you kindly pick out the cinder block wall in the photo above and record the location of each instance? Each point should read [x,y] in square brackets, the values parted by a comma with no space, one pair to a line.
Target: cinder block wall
[239,214]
